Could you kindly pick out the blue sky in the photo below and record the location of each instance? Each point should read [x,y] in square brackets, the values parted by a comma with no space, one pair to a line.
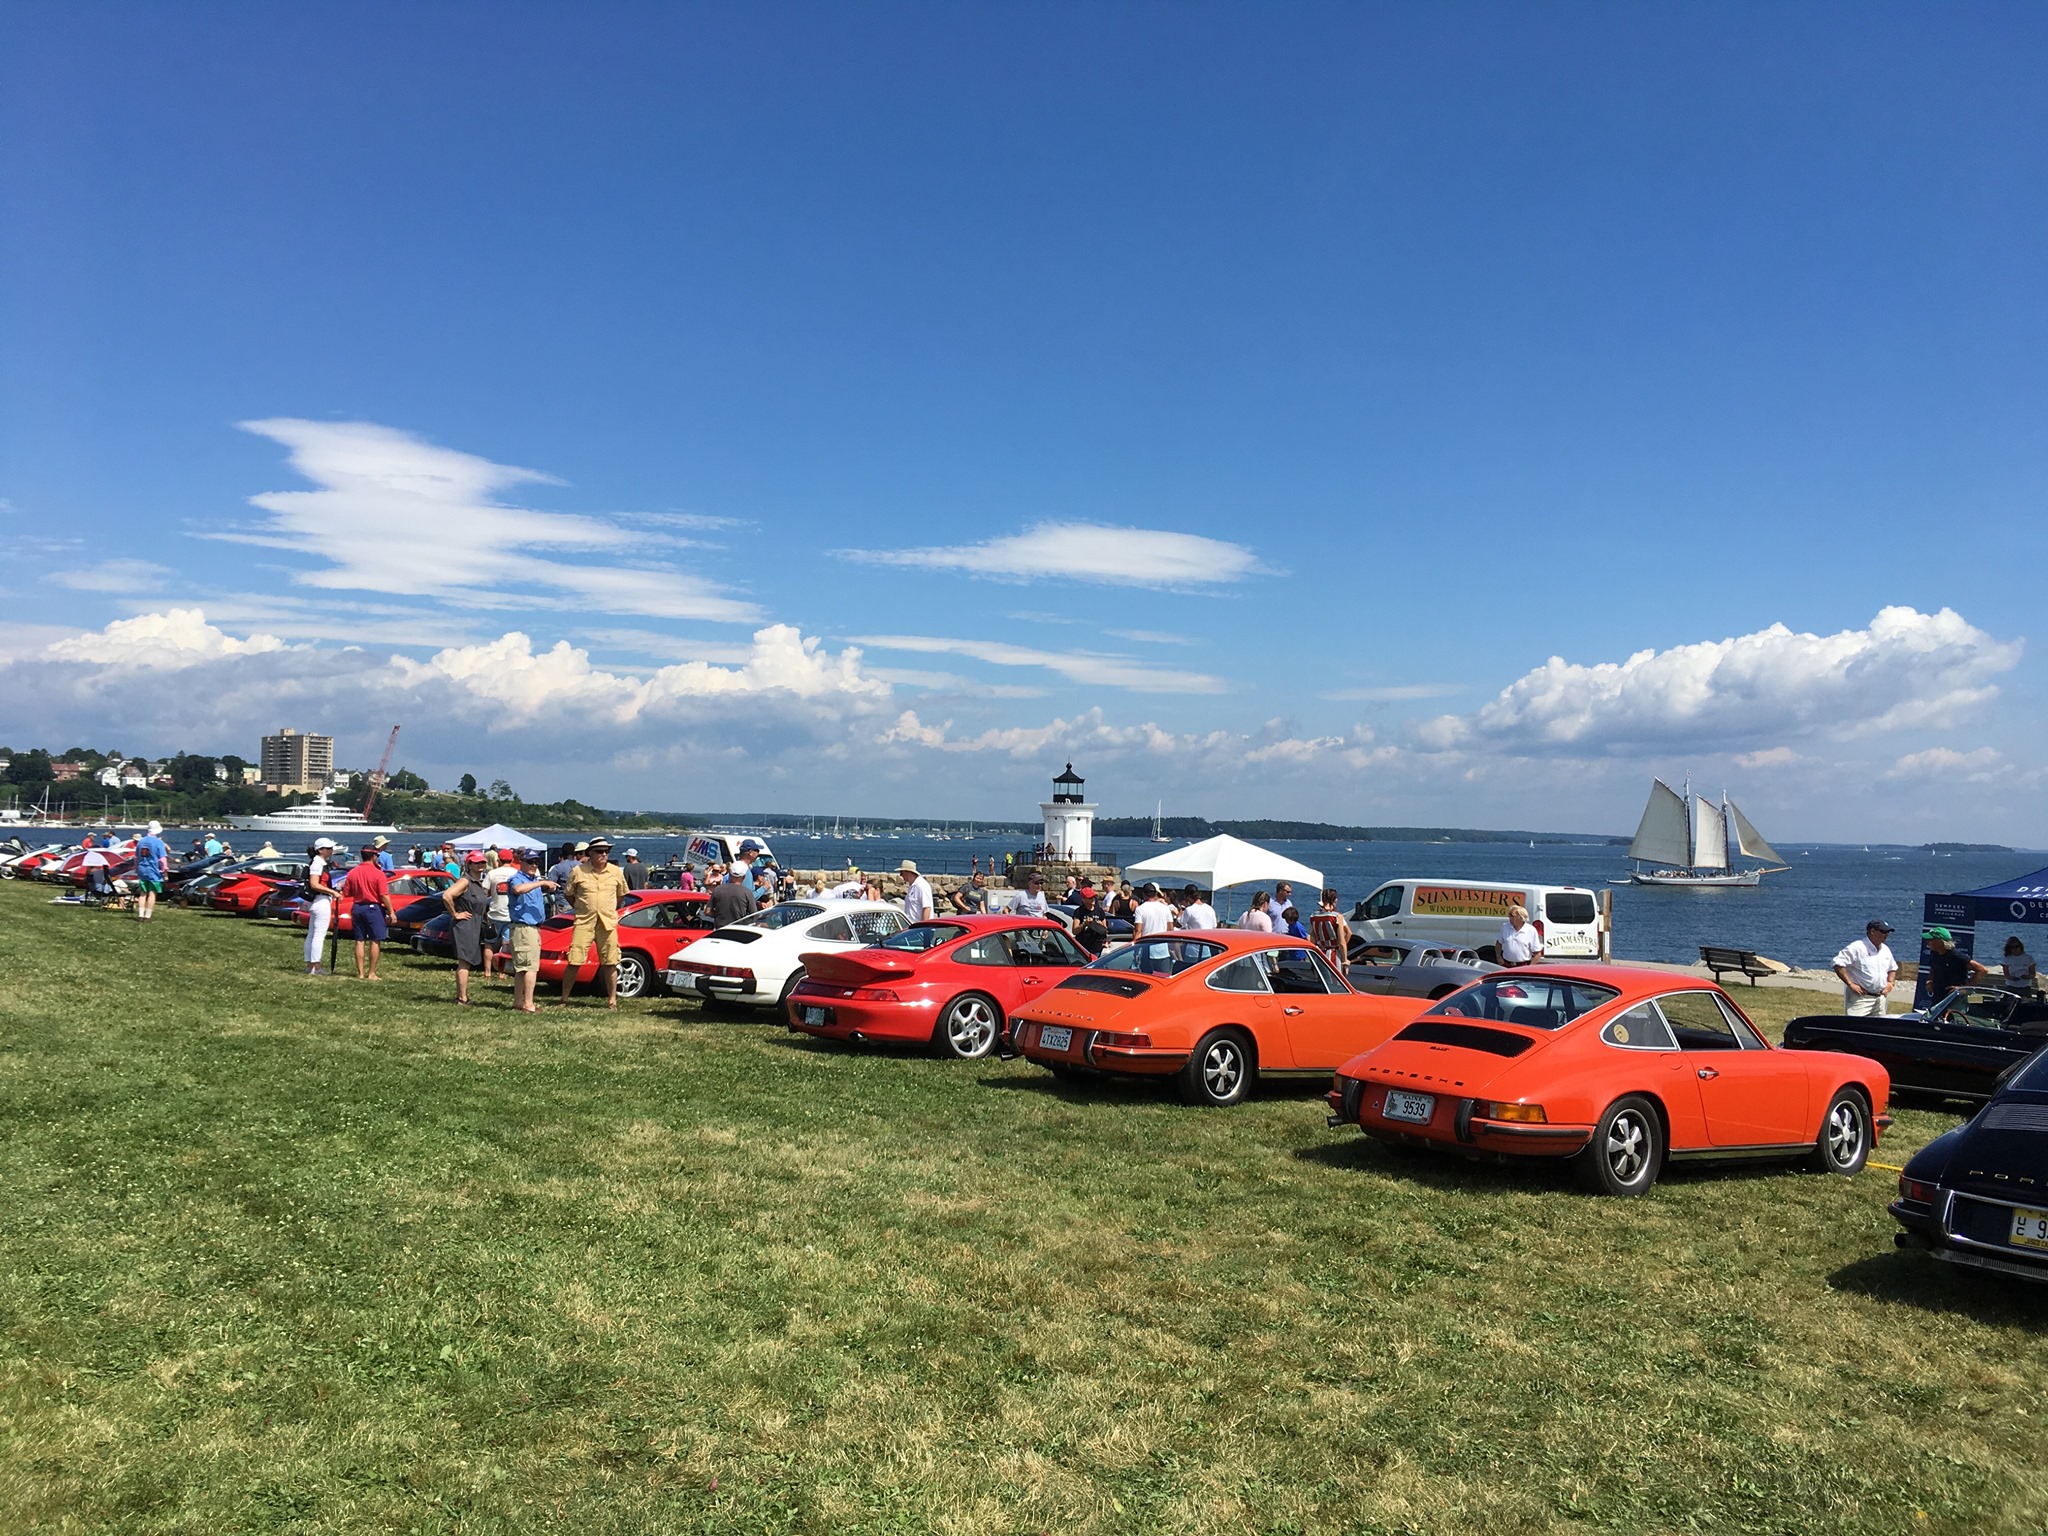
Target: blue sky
[1248,402]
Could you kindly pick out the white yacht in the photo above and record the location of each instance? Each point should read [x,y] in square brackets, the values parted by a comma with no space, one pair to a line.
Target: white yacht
[316,818]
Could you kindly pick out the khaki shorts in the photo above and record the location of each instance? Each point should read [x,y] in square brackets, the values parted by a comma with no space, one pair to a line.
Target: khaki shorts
[607,941]
[525,947]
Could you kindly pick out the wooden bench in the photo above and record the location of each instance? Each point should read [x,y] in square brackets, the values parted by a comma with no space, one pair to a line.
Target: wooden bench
[1744,962]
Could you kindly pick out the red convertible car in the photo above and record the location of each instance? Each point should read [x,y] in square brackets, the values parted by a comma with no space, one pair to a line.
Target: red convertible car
[652,925]
[1617,1070]
[950,982]
[406,888]
[1212,1010]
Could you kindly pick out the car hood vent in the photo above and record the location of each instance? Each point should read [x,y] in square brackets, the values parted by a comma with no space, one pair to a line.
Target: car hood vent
[1104,981]
[1473,1037]
[2014,1117]
[736,935]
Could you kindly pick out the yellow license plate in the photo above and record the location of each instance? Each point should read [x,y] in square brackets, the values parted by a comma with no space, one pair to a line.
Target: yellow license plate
[2030,1229]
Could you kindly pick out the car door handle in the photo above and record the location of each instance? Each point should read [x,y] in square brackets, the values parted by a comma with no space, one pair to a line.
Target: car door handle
[1290,1010]
[1708,1072]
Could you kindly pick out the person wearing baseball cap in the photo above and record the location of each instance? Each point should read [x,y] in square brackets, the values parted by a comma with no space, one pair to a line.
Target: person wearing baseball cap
[527,901]
[1868,968]
[917,892]
[594,891]
[1948,969]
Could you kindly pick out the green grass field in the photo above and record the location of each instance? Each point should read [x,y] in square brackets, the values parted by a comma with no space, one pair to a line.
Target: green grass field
[279,1254]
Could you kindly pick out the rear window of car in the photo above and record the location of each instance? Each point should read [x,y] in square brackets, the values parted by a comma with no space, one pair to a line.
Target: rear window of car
[782,915]
[2033,1077]
[1568,907]
[1535,1002]
[919,937]
[1158,957]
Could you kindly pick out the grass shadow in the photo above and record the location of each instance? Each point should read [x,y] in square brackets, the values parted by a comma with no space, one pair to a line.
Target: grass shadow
[1918,1280]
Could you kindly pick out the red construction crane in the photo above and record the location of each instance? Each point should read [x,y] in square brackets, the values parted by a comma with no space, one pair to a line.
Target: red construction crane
[377,778]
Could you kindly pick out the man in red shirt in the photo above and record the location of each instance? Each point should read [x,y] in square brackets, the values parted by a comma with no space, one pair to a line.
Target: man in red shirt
[367,890]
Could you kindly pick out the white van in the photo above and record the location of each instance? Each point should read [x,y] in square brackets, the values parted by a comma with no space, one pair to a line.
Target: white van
[723,847]
[1470,912]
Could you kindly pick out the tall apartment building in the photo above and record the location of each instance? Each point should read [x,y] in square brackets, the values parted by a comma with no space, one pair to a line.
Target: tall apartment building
[295,762]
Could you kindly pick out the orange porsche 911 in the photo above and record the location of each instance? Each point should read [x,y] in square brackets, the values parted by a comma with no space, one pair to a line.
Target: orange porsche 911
[1618,1070]
[1212,1010]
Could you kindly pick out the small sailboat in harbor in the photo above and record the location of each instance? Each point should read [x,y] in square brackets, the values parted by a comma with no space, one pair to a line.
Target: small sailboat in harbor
[1156,836]
[1690,841]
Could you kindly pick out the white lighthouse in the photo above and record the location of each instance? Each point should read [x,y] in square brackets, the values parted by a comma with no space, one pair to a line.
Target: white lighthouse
[1069,820]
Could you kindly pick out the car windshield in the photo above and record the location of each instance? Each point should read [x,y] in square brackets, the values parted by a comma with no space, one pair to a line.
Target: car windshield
[1158,957]
[1538,1002]
[783,914]
[922,936]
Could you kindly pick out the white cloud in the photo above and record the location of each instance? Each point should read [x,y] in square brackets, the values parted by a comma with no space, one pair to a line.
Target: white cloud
[1944,764]
[1087,667]
[1150,636]
[526,684]
[114,576]
[1907,670]
[1092,736]
[168,641]
[400,516]
[1769,757]
[1391,693]
[1092,552]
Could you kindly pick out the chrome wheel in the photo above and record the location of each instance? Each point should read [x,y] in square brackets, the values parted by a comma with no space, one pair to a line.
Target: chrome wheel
[632,976]
[1219,1072]
[970,1027]
[1628,1146]
[1844,1141]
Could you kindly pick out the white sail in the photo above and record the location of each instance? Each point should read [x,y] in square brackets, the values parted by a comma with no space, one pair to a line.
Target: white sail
[1709,836]
[1748,841]
[1660,839]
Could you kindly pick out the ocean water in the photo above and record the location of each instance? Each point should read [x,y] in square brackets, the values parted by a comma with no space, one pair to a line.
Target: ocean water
[1802,916]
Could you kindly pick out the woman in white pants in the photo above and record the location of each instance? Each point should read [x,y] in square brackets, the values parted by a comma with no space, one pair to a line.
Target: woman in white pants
[320,896]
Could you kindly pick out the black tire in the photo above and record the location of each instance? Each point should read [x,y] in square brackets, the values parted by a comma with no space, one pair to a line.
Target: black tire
[969,1028]
[1843,1145]
[1219,1073]
[788,990]
[634,977]
[1626,1152]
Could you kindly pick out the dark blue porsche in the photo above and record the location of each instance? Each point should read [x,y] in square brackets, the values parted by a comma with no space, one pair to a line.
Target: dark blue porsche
[1978,1195]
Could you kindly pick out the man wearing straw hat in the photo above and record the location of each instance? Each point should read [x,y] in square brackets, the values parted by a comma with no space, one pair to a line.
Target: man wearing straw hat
[594,889]
[917,892]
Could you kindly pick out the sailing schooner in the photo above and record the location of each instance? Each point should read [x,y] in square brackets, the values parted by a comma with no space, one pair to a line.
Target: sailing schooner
[1696,842]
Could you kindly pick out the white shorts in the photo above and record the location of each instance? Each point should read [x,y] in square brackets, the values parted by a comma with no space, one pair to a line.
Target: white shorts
[1862,1007]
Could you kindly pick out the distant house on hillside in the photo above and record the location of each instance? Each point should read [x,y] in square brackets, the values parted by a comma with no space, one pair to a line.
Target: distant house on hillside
[110,776]
[63,771]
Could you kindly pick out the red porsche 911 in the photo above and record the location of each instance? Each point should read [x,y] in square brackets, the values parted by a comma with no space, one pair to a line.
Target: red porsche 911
[950,982]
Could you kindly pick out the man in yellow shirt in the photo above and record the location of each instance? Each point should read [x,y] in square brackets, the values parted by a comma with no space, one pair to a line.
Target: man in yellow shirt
[593,890]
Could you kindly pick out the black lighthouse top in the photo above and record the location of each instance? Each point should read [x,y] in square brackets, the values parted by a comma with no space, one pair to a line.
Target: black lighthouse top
[1066,789]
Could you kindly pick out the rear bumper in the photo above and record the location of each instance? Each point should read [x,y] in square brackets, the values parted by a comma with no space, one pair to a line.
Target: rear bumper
[1453,1125]
[723,989]
[905,1023]
[1082,1050]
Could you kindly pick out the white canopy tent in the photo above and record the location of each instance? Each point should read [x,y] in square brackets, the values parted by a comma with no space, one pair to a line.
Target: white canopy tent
[1218,862]
[498,835]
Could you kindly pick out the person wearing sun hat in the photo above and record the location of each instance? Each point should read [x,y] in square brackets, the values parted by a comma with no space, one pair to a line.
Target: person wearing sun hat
[152,860]
[1868,968]
[594,891]
[917,892]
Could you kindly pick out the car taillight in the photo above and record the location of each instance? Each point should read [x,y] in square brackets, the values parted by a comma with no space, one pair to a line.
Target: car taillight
[1915,1191]
[1514,1114]
[1110,1037]
[873,995]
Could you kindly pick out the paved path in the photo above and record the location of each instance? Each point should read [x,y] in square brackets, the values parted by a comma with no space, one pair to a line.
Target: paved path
[1808,981]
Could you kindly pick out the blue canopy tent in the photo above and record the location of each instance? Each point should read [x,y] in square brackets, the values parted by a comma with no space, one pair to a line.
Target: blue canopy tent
[2022,900]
